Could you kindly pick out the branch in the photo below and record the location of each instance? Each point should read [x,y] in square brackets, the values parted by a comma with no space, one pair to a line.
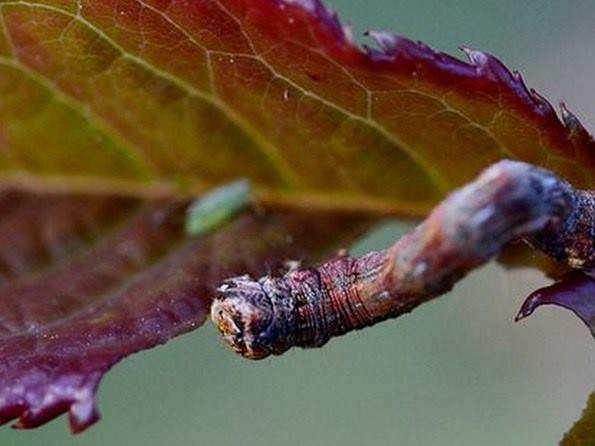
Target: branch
[308,306]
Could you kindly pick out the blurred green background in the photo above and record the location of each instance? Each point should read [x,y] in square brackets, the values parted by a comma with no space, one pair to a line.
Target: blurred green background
[456,371]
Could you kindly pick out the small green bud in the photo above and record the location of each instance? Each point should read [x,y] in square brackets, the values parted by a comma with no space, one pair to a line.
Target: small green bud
[217,207]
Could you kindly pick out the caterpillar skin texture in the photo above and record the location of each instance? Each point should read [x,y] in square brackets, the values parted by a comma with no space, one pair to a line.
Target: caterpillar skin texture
[307,306]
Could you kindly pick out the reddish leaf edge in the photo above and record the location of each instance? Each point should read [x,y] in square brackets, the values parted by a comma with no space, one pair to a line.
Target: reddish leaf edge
[401,55]
[140,285]
[575,292]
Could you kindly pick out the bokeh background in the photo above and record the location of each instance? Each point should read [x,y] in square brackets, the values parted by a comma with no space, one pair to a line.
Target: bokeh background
[456,371]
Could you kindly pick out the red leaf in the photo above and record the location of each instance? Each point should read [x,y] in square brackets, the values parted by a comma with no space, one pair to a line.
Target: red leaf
[88,293]
[575,292]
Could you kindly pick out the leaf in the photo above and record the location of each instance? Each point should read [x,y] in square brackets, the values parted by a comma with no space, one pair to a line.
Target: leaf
[520,255]
[583,432]
[575,292]
[133,96]
[90,280]
[154,99]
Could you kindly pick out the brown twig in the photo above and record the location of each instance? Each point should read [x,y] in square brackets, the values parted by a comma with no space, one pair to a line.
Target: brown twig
[308,306]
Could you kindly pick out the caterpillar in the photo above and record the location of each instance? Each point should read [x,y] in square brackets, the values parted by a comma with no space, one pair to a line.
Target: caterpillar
[306,307]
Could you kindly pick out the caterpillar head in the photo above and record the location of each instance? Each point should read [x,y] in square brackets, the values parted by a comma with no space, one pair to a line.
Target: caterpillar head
[252,316]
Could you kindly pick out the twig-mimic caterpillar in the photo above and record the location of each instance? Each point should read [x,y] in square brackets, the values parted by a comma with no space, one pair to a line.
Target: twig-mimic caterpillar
[308,306]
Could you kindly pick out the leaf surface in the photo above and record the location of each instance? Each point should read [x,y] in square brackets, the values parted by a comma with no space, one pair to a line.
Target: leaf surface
[170,97]
[88,281]
[575,292]
[154,99]
[583,432]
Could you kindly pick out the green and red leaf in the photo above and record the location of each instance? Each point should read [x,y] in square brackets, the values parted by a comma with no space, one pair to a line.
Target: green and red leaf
[167,99]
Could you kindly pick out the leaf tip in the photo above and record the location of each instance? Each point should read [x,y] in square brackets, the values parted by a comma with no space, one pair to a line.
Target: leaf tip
[385,41]
[576,130]
[574,292]
[475,57]
[528,307]
[83,414]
